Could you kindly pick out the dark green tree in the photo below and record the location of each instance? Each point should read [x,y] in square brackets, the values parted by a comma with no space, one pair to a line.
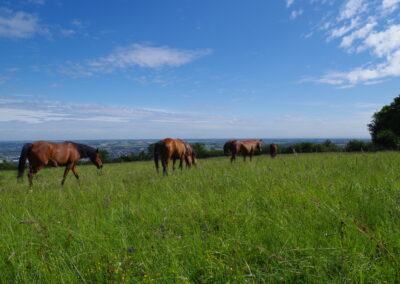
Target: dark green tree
[356,146]
[150,150]
[387,139]
[385,126]
[105,156]
[200,149]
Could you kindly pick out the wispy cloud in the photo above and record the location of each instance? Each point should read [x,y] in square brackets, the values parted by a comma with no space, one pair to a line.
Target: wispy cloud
[148,56]
[296,13]
[364,26]
[35,118]
[37,2]
[67,32]
[373,106]
[352,8]
[390,5]
[19,24]
[36,111]
[135,55]
[76,22]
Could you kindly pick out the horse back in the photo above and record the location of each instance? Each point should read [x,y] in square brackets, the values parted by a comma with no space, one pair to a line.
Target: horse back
[62,153]
[251,144]
[235,146]
[179,147]
[246,147]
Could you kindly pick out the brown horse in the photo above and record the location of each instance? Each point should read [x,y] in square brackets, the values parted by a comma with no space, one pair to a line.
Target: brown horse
[44,153]
[174,149]
[244,148]
[273,150]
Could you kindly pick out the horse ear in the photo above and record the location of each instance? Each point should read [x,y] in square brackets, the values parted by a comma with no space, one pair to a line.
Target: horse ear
[97,150]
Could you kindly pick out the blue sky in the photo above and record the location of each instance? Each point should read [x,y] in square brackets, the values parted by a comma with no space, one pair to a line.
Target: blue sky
[195,69]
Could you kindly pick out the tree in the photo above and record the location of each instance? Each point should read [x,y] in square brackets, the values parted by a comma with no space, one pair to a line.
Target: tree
[387,139]
[385,126]
[150,150]
[105,156]
[356,146]
[200,149]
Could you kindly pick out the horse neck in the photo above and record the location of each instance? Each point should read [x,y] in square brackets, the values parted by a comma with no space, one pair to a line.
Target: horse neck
[85,151]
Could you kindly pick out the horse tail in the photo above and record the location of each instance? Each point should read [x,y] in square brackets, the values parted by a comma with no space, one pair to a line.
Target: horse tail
[156,154]
[273,150]
[22,158]
[226,148]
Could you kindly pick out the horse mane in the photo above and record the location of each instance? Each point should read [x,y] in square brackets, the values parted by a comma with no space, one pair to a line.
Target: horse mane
[85,151]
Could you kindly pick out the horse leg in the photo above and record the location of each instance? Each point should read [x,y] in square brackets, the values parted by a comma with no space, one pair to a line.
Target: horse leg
[173,163]
[75,172]
[156,161]
[33,169]
[233,157]
[30,176]
[181,163]
[188,162]
[244,158]
[67,169]
[53,162]
[164,162]
[251,156]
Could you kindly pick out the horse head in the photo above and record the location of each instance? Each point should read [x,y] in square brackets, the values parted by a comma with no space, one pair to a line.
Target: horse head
[96,159]
[194,158]
[259,145]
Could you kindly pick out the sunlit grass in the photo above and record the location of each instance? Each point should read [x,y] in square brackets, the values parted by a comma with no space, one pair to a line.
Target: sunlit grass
[306,218]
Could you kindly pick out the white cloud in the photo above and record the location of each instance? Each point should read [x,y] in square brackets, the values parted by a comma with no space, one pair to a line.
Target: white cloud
[289,3]
[148,56]
[360,33]
[365,26]
[19,24]
[351,8]
[296,13]
[340,31]
[367,76]
[390,5]
[384,43]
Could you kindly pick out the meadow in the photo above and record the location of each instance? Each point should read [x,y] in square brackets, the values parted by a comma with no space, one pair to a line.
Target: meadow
[310,218]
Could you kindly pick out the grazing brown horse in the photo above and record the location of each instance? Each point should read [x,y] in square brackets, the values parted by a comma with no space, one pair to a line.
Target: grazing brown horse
[244,148]
[174,149]
[273,150]
[42,153]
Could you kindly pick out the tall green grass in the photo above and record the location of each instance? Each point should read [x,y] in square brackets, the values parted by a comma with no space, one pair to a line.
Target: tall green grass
[311,218]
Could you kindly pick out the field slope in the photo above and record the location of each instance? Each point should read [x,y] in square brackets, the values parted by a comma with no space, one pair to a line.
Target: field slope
[313,218]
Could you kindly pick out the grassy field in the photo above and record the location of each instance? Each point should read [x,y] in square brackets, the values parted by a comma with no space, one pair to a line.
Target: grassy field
[313,218]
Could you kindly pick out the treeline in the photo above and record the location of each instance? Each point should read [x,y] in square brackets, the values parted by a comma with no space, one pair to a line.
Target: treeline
[202,152]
